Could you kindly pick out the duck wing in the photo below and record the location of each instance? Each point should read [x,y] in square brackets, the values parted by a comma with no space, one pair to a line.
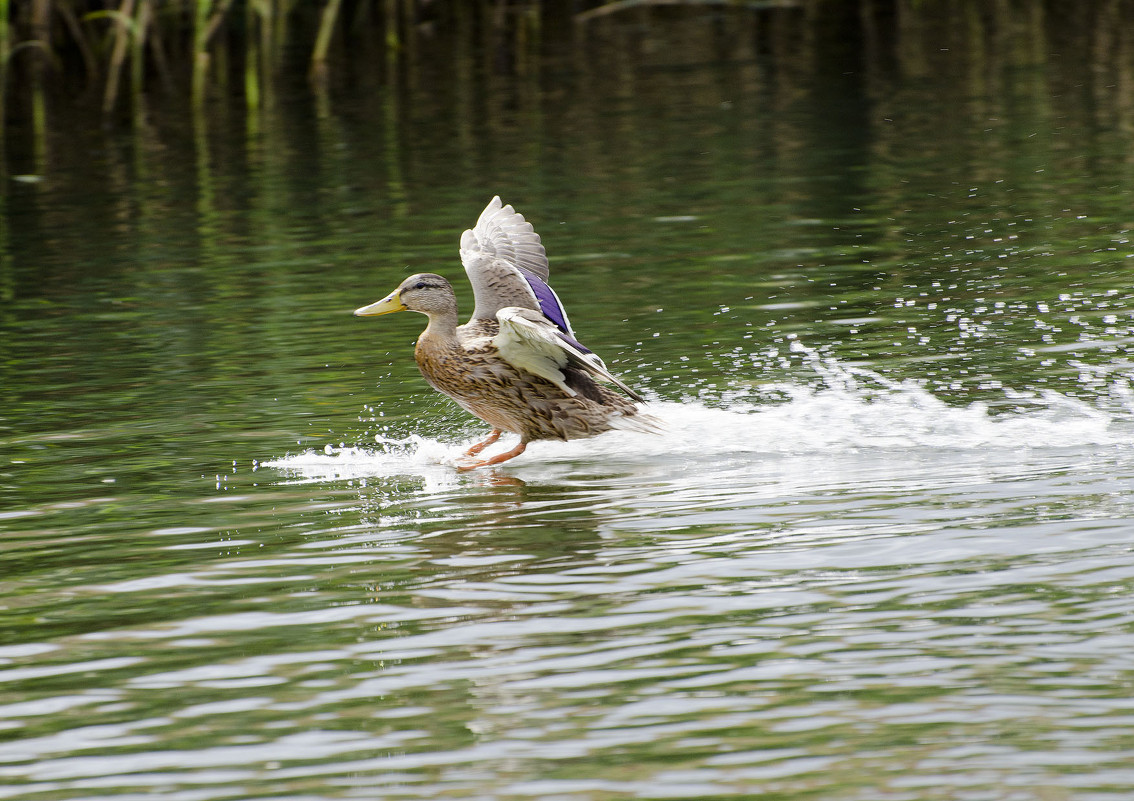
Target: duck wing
[502,232]
[507,266]
[529,341]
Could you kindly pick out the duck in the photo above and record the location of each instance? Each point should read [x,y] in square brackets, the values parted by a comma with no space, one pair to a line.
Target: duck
[517,363]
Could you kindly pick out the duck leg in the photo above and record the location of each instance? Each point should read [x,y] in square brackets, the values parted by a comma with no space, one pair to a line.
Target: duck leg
[480,446]
[497,459]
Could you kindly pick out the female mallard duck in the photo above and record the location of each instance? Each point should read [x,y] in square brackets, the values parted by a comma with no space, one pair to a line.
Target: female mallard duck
[516,364]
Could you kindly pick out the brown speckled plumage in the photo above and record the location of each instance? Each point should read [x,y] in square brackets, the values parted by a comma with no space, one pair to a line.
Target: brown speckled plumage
[544,386]
[467,367]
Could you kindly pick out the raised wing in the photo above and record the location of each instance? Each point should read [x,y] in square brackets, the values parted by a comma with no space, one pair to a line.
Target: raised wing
[507,266]
[530,342]
[501,232]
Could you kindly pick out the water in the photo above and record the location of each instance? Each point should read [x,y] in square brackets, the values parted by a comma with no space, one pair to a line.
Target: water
[882,550]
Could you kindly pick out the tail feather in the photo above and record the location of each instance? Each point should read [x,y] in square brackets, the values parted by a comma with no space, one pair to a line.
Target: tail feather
[642,423]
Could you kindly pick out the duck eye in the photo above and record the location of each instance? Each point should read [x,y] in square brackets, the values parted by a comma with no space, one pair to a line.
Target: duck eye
[420,285]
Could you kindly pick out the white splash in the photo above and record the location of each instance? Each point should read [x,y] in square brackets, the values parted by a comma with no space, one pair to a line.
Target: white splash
[387,457]
[852,411]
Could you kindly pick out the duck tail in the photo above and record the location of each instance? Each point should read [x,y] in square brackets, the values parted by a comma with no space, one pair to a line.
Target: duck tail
[642,423]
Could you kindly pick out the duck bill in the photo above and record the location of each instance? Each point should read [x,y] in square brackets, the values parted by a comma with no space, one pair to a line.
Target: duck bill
[387,305]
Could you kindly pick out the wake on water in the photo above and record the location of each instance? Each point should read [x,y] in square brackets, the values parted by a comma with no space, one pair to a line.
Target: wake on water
[851,411]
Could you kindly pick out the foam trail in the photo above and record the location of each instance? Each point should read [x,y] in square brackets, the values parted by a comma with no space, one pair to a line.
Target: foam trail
[853,411]
[390,457]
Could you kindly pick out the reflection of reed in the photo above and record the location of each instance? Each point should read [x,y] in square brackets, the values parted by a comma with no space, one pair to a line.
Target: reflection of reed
[133,47]
[532,92]
[96,40]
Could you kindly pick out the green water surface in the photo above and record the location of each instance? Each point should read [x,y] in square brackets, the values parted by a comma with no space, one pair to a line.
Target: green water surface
[878,284]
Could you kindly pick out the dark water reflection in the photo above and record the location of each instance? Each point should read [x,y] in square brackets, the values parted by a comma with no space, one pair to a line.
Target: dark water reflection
[878,285]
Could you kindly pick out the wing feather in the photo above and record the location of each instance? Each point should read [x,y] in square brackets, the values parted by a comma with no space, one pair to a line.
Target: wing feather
[502,233]
[530,342]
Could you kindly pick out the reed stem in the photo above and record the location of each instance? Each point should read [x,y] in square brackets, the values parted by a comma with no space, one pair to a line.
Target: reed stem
[326,31]
[123,29]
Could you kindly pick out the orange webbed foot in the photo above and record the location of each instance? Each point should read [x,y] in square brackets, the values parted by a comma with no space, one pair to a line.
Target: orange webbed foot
[497,459]
[480,446]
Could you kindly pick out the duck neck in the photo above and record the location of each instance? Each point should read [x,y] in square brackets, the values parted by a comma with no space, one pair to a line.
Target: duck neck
[442,329]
